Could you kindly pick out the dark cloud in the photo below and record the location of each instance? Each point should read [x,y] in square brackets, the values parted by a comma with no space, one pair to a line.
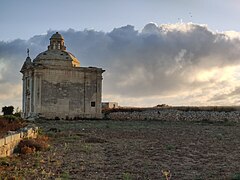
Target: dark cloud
[232,94]
[159,60]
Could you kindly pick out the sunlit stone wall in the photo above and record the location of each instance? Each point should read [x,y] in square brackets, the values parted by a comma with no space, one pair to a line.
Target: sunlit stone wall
[9,143]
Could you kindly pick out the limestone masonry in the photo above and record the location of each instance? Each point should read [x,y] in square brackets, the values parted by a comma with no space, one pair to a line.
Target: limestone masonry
[9,143]
[176,115]
[55,86]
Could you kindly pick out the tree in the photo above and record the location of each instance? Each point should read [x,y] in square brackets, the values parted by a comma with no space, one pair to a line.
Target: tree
[7,110]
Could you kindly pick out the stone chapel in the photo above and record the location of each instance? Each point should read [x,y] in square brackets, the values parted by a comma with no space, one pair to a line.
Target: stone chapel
[56,87]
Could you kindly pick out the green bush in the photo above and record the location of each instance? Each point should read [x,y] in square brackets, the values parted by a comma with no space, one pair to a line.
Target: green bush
[17,114]
[11,117]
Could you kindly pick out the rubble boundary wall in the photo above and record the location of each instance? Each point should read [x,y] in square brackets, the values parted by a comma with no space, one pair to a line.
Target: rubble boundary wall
[175,115]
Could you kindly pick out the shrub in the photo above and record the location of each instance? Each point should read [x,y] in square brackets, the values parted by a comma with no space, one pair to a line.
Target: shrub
[18,112]
[27,146]
[27,150]
[10,117]
[7,110]
[8,124]
[3,123]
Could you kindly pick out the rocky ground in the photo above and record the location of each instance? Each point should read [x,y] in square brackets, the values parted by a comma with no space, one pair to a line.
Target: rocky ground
[131,150]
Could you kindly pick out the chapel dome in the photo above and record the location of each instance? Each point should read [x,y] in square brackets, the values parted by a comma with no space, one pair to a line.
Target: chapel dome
[56,36]
[56,55]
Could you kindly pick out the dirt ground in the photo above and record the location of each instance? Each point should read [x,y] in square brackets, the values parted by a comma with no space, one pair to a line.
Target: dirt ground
[131,150]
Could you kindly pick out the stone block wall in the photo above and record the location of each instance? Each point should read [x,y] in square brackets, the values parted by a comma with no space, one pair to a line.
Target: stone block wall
[9,143]
[176,115]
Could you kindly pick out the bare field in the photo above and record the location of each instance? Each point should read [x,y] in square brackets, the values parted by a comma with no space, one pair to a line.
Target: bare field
[131,150]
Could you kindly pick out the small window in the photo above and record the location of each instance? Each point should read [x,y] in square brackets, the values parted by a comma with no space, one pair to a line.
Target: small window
[93,104]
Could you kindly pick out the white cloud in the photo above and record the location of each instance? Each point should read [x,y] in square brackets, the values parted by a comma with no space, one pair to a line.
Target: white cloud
[232,34]
[10,94]
[181,63]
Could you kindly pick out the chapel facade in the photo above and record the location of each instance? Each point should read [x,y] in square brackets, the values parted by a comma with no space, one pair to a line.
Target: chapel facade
[56,87]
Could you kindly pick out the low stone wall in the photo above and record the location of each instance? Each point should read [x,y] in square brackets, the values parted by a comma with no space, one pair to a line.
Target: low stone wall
[176,115]
[9,143]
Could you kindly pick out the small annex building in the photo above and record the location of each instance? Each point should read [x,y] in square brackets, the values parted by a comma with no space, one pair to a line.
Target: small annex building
[109,105]
[56,87]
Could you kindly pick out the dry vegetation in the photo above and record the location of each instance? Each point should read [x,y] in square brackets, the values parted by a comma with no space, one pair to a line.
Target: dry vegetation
[10,123]
[29,146]
[131,150]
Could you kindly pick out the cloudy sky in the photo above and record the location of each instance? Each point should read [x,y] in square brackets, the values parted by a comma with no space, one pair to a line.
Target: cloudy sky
[174,52]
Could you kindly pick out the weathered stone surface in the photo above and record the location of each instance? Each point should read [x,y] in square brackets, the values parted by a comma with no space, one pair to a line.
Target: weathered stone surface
[16,137]
[2,141]
[54,86]
[176,115]
[3,151]
[8,139]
